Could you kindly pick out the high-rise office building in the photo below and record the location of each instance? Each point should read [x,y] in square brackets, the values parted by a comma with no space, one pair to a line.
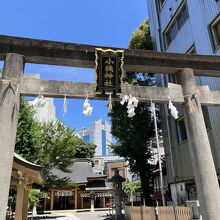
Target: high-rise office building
[186,26]
[47,112]
[99,134]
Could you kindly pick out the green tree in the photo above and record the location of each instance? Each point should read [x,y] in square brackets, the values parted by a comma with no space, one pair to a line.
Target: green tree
[84,150]
[51,145]
[34,198]
[141,38]
[28,131]
[135,135]
[56,147]
[130,187]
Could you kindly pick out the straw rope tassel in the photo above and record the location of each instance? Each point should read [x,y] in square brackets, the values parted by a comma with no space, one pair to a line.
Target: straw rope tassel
[16,93]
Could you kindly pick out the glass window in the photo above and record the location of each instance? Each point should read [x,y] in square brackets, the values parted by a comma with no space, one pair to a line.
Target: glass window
[206,117]
[192,50]
[176,23]
[182,17]
[215,32]
[181,130]
[161,3]
[171,33]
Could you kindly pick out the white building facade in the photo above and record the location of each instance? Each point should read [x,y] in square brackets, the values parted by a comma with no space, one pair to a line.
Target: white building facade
[99,134]
[43,113]
[193,27]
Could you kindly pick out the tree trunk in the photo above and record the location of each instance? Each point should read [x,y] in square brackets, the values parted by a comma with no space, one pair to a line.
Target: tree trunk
[145,184]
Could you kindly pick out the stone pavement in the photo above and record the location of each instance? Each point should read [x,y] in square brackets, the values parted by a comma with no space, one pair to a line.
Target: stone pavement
[97,215]
[57,216]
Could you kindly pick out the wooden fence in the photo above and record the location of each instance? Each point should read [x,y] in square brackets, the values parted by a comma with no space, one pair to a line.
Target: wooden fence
[158,213]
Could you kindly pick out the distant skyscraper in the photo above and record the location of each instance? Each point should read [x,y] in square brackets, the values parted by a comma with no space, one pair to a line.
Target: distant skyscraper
[99,134]
[48,111]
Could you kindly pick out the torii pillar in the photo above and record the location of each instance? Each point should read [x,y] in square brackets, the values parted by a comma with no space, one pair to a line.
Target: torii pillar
[200,151]
[9,110]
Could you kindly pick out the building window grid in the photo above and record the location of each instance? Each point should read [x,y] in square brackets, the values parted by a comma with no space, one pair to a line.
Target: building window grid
[176,24]
[181,130]
[191,50]
[161,3]
[215,32]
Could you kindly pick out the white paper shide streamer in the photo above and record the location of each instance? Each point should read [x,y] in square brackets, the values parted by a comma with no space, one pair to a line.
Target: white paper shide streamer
[64,105]
[87,109]
[40,101]
[173,110]
[132,104]
[125,99]
[152,109]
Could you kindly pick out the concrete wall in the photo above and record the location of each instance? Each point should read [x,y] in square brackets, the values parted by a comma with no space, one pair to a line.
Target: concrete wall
[195,32]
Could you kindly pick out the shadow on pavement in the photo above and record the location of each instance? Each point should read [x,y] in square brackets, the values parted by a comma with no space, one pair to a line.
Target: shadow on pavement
[47,217]
[110,217]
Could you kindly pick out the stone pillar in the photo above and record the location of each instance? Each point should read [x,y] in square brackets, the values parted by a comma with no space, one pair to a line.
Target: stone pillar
[76,199]
[9,110]
[51,199]
[200,151]
[19,201]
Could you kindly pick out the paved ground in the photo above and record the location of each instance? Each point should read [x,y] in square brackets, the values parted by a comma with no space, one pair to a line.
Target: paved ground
[97,215]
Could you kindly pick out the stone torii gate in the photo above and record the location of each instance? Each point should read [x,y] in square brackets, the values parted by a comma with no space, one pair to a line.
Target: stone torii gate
[17,51]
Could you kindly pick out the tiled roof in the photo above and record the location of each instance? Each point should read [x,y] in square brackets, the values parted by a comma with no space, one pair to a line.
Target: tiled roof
[79,173]
[21,160]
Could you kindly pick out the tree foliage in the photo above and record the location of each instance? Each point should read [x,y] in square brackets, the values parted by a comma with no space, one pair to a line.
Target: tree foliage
[135,135]
[34,196]
[131,187]
[51,145]
[141,38]
[27,133]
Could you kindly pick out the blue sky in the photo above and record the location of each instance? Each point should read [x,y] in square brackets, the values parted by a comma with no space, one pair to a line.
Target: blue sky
[96,22]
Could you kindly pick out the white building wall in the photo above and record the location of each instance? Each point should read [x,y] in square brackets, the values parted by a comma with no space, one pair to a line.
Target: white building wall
[46,113]
[194,31]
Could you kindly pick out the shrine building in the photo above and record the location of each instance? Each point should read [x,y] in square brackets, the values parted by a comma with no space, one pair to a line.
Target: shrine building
[86,189]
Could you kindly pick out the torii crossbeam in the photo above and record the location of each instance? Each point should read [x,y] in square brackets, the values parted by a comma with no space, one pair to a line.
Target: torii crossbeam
[18,51]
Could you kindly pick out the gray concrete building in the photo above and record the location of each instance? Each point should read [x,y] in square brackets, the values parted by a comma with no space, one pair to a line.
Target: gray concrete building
[186,26]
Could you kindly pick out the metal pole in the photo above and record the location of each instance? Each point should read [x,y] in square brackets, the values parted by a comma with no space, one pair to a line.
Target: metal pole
[170,145]
[159,156]
[171,151]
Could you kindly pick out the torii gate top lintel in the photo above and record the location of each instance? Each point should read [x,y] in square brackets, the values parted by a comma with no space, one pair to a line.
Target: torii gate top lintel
[80,55]
[69,54]
[16,51]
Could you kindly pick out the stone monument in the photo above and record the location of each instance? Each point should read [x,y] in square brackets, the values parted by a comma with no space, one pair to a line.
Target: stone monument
[117,187]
